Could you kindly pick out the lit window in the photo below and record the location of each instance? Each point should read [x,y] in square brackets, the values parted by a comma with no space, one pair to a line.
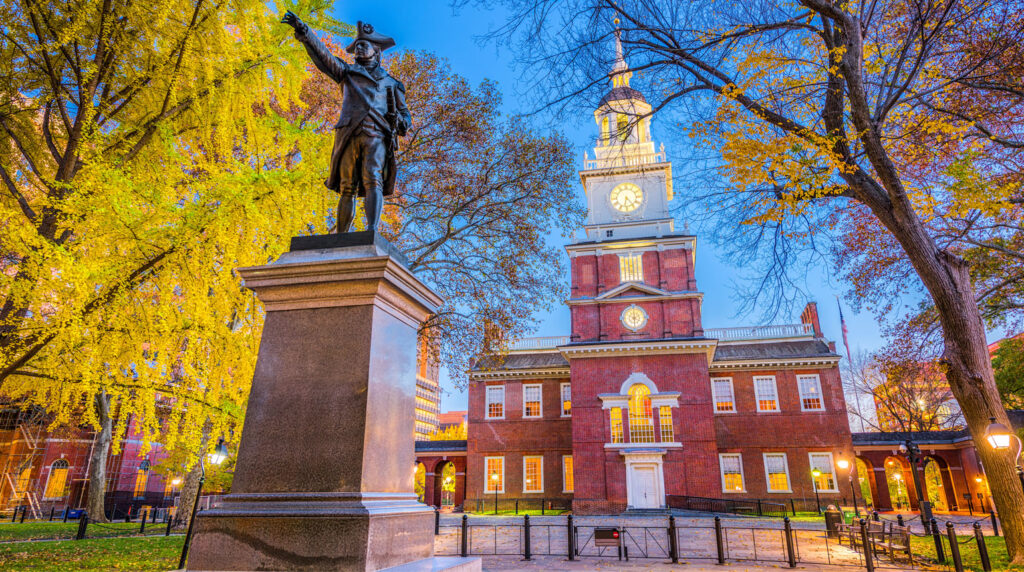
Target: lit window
[141,480]
[622,126]
[810,393]
[531,401]
[568,485]
[822,462]
[57,481]
[495,402]
[533,474]
[494,473]
[566,399]
[605,136]
[731,465]
[641,418]
[616,417]
[765,393]
[777,470]
[631,267]
[23,481]
[721,390]
[665,420]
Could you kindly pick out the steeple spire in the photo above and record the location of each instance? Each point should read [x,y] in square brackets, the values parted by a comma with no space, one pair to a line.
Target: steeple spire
[620,73]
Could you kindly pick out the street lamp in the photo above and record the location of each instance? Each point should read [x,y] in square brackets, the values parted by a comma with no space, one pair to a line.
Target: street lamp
[844,465]
[447,485]
[218,456]
[814,482]
[913,452]
[494,485]
[999,437]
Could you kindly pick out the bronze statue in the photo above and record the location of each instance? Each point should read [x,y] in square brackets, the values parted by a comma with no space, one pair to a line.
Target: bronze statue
[373,116]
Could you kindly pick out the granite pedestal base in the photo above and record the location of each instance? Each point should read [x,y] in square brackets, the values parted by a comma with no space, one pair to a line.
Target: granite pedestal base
[324,476]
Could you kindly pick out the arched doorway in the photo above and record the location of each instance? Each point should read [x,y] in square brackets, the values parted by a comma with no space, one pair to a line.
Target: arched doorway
[444,484]
[865,478]
[420,481]
[895,479]
[939,483]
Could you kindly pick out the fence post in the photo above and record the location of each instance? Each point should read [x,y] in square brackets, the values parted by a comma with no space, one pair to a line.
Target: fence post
[517,507]
[437,522]
[14,517]
[759,508]
[465,541]
[66,510]
[954,547]
[986,564]
[170,521]
[128,514]
[673,540]
[571,539]
[526,537]
[142,525]
[153,512]
[866,543]
[24,511]
[995,525]
[874,517]
[790,549]
[718,540]
[899,520]
[792,505]
[940,554]
[52,509]
[83,521]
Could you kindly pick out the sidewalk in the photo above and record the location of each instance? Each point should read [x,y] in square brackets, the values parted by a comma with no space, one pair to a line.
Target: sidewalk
[555,563]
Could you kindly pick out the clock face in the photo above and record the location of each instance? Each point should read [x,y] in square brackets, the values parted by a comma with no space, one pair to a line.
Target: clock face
[626,197]
[634,317]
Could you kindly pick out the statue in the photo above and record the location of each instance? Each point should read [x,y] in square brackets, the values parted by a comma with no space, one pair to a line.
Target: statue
[373,116]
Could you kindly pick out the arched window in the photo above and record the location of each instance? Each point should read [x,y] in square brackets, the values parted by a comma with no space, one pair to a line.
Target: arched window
[141,481]
[641,418]
[57,481]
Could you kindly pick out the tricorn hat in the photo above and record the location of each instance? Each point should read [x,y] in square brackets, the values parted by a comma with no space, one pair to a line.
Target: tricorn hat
[366,32]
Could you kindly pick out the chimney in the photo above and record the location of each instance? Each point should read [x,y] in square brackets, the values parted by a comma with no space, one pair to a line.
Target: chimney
[810,316]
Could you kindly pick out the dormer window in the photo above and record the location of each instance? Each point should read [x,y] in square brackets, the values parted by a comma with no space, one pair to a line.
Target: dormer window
[631,267]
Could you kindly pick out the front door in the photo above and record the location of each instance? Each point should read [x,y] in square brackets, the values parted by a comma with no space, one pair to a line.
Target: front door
[645,488]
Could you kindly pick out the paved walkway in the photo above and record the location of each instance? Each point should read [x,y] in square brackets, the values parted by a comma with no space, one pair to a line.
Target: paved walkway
[554,563]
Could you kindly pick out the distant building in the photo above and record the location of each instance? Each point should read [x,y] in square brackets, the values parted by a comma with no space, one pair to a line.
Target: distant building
[451,419]
[428,395]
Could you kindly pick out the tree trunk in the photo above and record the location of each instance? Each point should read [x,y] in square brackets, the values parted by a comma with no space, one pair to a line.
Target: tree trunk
[95,504]
[190,485]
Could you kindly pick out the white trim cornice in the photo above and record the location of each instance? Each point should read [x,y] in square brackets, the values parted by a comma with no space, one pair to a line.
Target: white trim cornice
[640,347]
[496,374]
[780,363]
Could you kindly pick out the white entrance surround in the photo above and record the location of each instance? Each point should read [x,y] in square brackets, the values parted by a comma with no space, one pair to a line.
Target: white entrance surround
[645,479]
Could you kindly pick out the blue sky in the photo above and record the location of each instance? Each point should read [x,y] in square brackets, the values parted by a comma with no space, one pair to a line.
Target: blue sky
[434,26]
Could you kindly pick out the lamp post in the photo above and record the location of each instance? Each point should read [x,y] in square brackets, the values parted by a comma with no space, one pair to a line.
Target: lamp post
[999,437]
[814,482]
[844,465]
[913,452]
[899,479]
[218,456]
[494,485]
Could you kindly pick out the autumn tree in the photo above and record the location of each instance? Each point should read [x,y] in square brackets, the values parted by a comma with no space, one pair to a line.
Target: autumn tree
[808,111]
[1008,363]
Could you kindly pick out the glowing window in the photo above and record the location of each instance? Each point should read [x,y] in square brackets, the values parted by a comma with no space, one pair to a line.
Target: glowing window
[810,393]
[731,465]
[616,417]
[631,267]
[777,471]
[57,481]
[622,126]
[568,485]
[721,391]
[566,394]
[641,418]
[533,474]
[531,400]
[765,393]
[494,473]
[665,421]
[495,402]
[822,462]
[141,480]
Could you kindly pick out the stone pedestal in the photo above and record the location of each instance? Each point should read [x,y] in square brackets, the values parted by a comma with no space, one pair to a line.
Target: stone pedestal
[324,478]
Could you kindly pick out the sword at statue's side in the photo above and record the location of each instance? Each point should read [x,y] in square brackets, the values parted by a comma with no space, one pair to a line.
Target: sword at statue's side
[392,118]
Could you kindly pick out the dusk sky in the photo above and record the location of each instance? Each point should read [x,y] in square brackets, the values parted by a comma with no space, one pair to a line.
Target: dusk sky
[435,27]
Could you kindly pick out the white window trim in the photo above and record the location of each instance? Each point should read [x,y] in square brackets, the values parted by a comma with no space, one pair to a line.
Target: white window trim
[757,395]
[714,402]
[767,477]
[487,402]
[540,401]
[540,472]
[487,476]
[721,473]
[800,391]
[564,490]
[561,400]
[67,475]
[831,462]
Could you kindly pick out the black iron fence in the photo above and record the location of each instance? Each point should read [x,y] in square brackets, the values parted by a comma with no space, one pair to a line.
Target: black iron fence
[750,507]
[518,506]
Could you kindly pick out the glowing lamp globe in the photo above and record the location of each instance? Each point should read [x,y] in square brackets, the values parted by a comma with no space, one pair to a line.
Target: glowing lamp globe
[843,464]
[219,454]
[997,435]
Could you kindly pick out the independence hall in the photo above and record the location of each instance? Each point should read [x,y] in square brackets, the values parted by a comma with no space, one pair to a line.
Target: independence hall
[641,405]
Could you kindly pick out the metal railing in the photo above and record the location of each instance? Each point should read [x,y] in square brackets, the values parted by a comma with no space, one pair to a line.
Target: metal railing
[540,343]
[748,507]
[760,332]
[515,506]
[626,159]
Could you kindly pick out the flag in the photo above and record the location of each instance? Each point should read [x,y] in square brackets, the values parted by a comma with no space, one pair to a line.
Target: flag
[842,322]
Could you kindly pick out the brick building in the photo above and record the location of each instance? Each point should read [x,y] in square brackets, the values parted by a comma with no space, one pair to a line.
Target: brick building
[640,405]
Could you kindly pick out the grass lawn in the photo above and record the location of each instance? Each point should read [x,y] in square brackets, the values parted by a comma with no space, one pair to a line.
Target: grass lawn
[37,530]
[96,555]
[530,512]
[968,552]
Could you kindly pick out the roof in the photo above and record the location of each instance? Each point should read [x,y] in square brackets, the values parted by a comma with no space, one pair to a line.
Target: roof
[540,360]
[925,437]
[427,446]
[451,417]
[622,93]
[772,350]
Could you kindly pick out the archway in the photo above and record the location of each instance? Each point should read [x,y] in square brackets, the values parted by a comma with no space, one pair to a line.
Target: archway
[866,480]
[939,483]
[420,480]
[444,484]
[896,481]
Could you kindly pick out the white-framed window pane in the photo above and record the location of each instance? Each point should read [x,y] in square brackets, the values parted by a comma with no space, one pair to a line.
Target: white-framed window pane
[641,416]
[822,462]
[533,474]
[56,483]
[568,484]
[810,393]
[731,465]
[495,401]
[494,473]
[721,391]
[531,401]
[566,394]
[631,267]
[665,422]
[776,470]
[765,393]
[615,414]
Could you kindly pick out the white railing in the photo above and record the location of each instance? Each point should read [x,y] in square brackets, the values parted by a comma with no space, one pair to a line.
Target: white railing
[760,332]
[543,343]
[624,160]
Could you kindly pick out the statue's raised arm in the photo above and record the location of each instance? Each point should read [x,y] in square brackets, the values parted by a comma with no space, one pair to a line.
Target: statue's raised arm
[373,115]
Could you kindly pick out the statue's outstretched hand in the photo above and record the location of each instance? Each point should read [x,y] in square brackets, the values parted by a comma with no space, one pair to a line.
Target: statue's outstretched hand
[293,21]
